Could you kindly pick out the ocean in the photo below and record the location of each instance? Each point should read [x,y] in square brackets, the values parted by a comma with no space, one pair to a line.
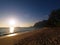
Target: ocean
[5,31]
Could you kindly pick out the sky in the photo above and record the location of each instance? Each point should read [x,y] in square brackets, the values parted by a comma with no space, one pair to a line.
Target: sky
[26,12]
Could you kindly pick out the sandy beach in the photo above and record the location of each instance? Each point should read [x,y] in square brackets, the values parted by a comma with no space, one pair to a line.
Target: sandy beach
[43,36]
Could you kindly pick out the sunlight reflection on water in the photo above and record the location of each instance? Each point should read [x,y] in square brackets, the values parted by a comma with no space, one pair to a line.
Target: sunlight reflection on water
[11,35]
[11,29]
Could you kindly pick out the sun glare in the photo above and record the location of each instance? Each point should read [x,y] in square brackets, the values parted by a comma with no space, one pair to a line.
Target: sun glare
[12,22]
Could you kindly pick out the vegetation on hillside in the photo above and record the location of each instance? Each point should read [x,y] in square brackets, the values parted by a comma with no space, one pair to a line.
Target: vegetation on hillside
[53,20]
[40,24]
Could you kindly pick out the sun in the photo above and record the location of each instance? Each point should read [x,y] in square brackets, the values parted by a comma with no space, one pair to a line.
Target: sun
[12,22]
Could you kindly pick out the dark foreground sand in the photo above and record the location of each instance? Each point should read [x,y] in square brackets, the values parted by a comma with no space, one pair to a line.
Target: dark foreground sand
[45,36]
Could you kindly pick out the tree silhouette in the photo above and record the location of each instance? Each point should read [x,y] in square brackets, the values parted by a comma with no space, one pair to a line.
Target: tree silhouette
[54,19]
